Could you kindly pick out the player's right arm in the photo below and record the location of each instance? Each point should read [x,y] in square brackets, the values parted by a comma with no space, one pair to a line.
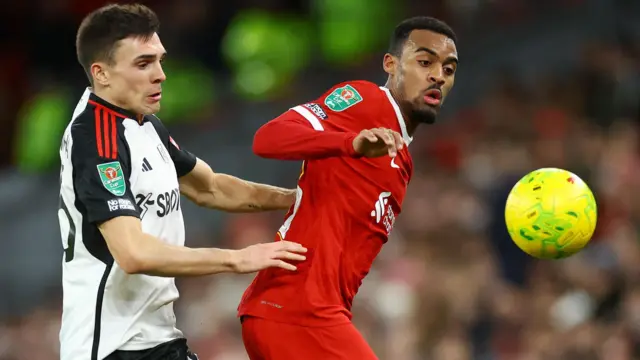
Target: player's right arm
[140,253]
[299,134]
[101,171]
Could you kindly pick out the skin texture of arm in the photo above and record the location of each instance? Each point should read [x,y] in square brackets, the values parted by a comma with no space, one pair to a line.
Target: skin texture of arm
[231,194]
[140,253]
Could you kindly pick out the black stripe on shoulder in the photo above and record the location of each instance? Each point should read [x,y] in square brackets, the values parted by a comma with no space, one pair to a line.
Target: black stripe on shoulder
[87,132]
[160,128]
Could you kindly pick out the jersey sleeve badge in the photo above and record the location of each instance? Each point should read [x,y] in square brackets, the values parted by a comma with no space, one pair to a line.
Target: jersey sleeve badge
[112,177]
[342,98]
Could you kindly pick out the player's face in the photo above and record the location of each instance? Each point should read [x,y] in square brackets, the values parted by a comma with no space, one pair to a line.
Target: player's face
[424,74]
[133,79]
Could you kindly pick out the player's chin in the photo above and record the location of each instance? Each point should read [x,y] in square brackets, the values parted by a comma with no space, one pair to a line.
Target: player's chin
[426,114]
[152,108]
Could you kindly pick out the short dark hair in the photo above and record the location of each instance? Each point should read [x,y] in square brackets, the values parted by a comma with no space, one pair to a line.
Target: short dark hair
[404,29]
[100,31]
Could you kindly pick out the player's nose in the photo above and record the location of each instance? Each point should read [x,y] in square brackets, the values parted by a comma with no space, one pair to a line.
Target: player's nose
[159,76]
[436,76]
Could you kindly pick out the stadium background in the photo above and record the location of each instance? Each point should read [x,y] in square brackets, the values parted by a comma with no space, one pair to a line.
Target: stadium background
[541,83]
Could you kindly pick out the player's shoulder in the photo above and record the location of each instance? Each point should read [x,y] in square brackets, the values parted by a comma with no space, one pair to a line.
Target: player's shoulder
[86,125]
[359,88]
[162,131]
[153,119]
[94,133]
[350,94]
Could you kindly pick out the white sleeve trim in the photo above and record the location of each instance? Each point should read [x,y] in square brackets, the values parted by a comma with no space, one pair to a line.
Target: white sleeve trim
[312,119]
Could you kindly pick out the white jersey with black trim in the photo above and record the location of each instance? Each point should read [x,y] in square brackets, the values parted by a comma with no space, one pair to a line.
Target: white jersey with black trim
[115,163]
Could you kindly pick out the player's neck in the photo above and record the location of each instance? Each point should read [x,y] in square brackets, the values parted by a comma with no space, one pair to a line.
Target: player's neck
[105,95]
[406,115]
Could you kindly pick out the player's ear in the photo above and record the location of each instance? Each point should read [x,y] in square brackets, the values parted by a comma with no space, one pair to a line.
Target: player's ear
[390,64]
[99,74]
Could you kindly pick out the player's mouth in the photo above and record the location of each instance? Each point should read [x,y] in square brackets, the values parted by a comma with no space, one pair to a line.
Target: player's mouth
[155,97]
[433,97]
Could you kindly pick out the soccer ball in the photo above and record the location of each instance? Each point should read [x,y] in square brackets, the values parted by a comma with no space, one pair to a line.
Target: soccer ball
[551,213]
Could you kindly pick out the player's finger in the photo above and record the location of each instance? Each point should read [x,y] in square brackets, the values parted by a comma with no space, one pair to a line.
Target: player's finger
[389,141]
[283,265]
[369,135]
[291,246]
[386,141]
[384,135]
[398,139]
[286,255]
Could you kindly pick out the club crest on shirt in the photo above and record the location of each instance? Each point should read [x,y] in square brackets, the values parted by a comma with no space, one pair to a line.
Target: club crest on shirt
[342,98]
[163,153]
[112,177]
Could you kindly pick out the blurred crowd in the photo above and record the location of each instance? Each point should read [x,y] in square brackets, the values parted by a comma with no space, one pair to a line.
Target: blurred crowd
[450,284]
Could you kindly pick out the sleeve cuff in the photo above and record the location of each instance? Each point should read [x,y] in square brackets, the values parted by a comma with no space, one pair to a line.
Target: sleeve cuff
[348,146]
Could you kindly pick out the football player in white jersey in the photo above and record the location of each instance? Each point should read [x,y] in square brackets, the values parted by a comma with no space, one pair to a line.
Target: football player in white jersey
[120,216]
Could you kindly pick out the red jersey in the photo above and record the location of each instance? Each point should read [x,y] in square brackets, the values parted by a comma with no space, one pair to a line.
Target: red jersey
[345,208]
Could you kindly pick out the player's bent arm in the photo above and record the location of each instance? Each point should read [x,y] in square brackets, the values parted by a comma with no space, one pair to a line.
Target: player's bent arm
[228,193]
[288,137]
[140,253]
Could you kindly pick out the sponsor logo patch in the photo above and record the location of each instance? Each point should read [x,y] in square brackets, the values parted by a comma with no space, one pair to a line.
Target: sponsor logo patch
[316,110]
[120,204]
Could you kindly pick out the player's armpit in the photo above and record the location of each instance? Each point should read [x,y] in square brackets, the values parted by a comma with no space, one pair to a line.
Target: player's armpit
[292,137]
[138,253]
[229,193]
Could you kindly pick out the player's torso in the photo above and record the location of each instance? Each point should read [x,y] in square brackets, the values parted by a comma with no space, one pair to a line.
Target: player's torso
[344,213]
[154,183]
[368,191]
[136,311]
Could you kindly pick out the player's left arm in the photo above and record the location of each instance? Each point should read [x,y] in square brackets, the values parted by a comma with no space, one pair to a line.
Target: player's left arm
[219,191]
[229,193]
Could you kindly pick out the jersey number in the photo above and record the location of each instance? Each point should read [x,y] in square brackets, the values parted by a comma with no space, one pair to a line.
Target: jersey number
[67,227]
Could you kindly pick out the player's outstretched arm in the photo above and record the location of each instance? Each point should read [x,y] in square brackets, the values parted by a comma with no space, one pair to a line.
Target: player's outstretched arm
[229,193]
[140,253]
[290,138]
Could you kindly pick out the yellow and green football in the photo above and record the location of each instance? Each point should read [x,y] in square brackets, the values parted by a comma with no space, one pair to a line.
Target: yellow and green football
[551,213]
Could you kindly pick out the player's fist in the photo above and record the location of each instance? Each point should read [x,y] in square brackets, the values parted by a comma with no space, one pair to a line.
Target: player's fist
[261,256]
[378,142]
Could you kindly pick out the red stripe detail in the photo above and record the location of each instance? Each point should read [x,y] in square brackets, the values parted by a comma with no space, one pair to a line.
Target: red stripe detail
[104,121]
[98,132]
[114,137]
[107,143]
[107,109]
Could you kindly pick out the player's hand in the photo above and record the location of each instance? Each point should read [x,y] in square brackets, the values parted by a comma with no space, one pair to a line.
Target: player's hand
[261,256]
[378,142]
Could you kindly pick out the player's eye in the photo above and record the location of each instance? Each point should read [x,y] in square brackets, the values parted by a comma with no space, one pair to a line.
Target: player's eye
[449,70]
[143,65]
[424,62]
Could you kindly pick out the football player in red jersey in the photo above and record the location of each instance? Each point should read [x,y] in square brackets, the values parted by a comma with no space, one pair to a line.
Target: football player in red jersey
[354,178]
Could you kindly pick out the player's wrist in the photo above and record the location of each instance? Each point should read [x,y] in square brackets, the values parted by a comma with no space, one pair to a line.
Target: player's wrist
[289,198]
[226,259]
[350,146]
